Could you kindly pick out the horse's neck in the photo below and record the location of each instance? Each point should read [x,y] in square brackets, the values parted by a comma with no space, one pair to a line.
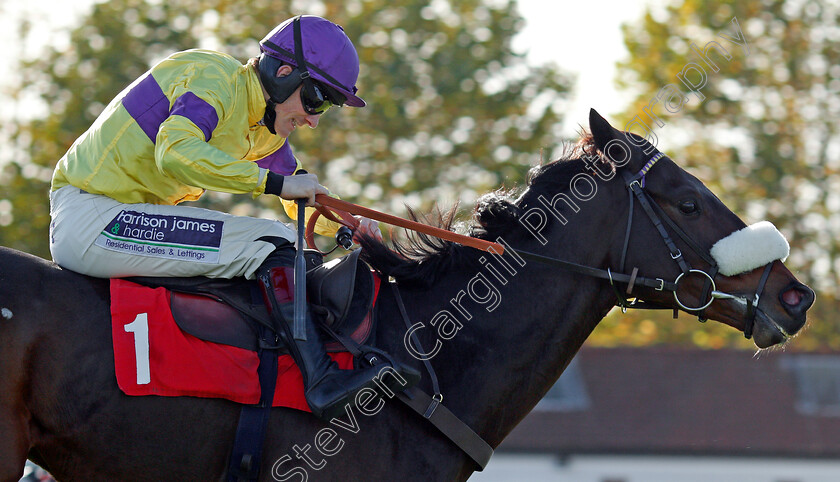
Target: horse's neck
[508,354]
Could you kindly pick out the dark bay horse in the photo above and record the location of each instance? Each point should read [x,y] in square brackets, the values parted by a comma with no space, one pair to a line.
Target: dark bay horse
[498,330]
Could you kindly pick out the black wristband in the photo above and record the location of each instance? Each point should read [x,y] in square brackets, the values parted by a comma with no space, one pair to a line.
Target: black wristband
[274,183]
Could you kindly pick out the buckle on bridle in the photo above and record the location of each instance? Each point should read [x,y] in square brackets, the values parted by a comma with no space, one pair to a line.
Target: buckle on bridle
[677,256]
[661,286]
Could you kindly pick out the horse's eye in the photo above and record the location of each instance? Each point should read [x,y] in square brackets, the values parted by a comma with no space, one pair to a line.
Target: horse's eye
[688,207]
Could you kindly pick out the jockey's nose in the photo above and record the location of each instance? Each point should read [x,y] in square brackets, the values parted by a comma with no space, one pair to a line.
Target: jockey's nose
[312,120]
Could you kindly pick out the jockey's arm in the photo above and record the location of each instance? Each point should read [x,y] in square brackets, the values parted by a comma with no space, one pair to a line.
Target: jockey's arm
[323,226]
[182,152]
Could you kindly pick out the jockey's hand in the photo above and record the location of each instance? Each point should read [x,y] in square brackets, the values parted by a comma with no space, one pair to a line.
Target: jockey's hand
[302,186]
[368,227]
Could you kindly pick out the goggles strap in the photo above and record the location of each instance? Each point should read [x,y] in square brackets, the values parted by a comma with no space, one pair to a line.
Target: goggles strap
[305,76]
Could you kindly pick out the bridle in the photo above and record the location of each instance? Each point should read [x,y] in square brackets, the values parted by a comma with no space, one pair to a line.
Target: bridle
[339,211]
[432,407]
[635,186]
[636,193]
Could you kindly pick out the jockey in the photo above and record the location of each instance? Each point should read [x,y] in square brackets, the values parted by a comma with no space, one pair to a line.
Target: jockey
[201,120]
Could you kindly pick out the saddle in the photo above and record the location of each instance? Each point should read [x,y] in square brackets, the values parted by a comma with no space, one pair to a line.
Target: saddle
[340,294]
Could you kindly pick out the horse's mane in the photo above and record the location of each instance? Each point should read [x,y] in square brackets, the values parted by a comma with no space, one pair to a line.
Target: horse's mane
[421,260]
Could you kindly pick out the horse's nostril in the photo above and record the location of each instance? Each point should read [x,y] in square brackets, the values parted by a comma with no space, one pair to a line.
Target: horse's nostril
[796,299]
[792,297]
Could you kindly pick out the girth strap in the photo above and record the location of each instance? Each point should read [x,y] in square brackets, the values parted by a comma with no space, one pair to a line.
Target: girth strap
[429,407]
[433,410]
[244,465]
[435,385]
[448,424]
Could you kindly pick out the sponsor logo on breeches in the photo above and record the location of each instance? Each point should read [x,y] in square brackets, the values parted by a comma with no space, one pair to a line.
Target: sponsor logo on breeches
[163,236]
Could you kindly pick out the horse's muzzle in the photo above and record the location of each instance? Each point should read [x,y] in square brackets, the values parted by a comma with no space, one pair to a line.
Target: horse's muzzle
[797,299]
[772,330]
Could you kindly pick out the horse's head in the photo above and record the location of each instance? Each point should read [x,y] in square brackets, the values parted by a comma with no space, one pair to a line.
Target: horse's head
[716,266]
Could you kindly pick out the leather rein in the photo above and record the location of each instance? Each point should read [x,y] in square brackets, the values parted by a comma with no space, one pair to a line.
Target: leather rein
[341,212]
[431,407]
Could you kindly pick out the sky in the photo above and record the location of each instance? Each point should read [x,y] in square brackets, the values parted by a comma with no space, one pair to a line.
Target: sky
[583,38]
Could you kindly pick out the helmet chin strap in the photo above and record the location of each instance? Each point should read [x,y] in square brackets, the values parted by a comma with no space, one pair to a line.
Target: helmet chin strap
[270,116]
[279,88]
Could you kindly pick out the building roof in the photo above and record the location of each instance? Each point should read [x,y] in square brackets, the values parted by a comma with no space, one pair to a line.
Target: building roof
[672,401]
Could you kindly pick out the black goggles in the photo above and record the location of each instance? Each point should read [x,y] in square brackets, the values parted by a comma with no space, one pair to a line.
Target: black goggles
[317,98]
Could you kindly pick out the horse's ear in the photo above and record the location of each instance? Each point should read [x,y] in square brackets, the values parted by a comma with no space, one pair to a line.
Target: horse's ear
[602,131]
[609,140]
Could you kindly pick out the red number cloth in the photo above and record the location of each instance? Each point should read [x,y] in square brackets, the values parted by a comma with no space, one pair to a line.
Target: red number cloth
[180,364]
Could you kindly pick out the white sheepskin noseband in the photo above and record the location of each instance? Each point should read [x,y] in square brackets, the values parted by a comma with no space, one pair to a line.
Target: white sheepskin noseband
[750,248]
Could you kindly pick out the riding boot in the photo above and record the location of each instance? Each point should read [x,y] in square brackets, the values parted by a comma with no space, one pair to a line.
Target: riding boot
[327,388]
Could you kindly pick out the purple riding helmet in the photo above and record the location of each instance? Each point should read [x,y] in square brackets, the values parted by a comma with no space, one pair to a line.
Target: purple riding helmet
[324,60]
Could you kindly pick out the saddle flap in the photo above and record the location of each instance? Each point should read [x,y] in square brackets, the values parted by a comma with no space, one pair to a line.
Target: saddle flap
[226,310]
[345,287]
[208,318]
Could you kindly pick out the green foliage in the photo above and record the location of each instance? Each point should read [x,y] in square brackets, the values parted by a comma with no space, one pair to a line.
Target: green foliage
[765,138]
[452,110]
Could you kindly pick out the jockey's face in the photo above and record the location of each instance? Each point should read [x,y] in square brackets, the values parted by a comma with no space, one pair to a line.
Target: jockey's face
[290,113]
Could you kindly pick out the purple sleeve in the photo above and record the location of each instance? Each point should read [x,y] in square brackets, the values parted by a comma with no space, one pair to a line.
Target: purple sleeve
[198,111]
[147,104]
[281,161]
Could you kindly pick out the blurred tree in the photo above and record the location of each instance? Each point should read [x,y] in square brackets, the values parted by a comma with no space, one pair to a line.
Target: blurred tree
[762,133]
[452,110]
